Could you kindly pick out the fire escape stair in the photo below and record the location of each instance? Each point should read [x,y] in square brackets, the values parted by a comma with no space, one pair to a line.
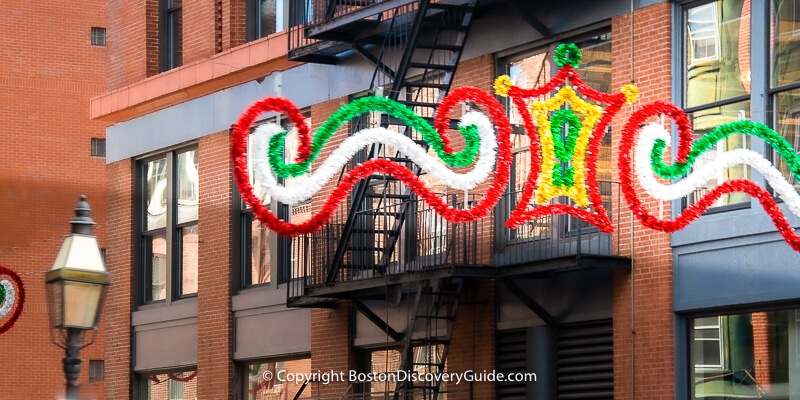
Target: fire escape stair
[380,204]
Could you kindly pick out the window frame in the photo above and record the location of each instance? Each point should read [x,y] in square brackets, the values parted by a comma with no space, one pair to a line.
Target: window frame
[253,23]
[683,59]
[565,227]
[242,219]
[172,230]
[242,368]
[170,35]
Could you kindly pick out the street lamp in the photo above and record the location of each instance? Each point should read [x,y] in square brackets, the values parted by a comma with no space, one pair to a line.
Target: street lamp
[76,287]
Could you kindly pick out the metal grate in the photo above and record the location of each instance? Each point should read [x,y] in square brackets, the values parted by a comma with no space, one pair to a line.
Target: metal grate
[97,370]
[510,359]
[98,147]
[98,36]
[585,365]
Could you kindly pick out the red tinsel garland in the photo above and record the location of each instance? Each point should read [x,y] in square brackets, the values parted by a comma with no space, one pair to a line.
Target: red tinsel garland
[370,167]
[597,218]
[20,298]
[695,210]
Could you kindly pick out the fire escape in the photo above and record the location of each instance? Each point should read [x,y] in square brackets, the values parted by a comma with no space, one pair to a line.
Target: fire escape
[386,244]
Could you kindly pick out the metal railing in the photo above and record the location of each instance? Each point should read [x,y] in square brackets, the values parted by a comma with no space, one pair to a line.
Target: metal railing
[426,240]
[554,236]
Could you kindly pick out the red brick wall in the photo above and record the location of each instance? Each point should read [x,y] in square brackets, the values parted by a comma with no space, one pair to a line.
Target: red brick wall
[119,261]
[50,70]
[332,346]
[214,324]
[472,344]
[234,25]
[199,30]
[651,279]
[763,342]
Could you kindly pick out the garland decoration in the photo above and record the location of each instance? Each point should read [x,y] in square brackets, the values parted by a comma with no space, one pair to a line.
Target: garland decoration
[550,176]
[12,298]
[649,153]
[478,133]
[565,133]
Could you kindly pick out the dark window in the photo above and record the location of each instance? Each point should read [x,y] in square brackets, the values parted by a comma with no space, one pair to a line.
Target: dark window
[98,147]
[98,36]
[268,379]
[169,386]
[264,17]
[169,235]
[170,37]
[97,370]
[256,247]
[751,355]
[717,83]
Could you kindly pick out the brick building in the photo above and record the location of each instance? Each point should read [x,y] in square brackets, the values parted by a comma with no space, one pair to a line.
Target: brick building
[207,302]
[52,152]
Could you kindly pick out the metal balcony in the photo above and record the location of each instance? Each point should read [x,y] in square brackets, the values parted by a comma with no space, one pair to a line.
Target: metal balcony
[430,247]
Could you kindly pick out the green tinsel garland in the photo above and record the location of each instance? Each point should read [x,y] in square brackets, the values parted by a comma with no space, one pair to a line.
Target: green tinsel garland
[2,294]
[563,175]
[564,148]
[567,54]
[364,105]
[721,132]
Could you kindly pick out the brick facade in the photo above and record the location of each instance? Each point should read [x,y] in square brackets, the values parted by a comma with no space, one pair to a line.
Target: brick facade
[643,326]
[643,350]
[49,71]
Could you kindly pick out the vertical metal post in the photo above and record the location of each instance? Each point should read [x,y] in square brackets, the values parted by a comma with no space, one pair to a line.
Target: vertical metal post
[72,363]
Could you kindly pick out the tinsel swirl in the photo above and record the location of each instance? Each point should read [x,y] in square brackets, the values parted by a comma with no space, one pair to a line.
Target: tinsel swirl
[687,152]
[380,165]
[14,298]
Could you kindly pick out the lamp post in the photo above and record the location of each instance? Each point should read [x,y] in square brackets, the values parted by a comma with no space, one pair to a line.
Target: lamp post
[76,287]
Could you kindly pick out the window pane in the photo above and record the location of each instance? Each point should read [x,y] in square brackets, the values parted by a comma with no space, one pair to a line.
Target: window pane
[172,386]
[595,66]
[267,21]
[269,380]
[705,121]
[156,194]
[156,266]
[787,123]
[188,186]
[756,356]
[189,241]
[717,52]
[260,271]
[785,42]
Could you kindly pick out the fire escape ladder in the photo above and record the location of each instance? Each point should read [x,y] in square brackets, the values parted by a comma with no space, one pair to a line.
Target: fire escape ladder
[432,43]
[435,307]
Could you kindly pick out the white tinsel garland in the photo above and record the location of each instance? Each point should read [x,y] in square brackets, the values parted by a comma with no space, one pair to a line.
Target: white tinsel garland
[699,177]
[10,296]
[265,179]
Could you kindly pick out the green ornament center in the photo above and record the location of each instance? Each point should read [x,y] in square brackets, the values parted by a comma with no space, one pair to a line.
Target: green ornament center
[564,145]
[2,295]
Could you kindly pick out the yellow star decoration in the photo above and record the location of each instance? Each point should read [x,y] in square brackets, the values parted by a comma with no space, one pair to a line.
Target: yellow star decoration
[540,110]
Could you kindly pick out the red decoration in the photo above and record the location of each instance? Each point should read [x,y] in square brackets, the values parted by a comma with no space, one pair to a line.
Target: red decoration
[19,301]
[695,210]
[239,145]
[597,218]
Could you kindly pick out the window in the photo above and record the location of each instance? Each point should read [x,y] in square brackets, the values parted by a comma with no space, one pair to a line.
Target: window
[270,379]
[255,252]
[98,147]
[264,17]
[717,83]
[708,345]
[752,355]
[97,370]
[536,68]
[170,35]
[170,386]
[98,36]
[168,225]
[785,75]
